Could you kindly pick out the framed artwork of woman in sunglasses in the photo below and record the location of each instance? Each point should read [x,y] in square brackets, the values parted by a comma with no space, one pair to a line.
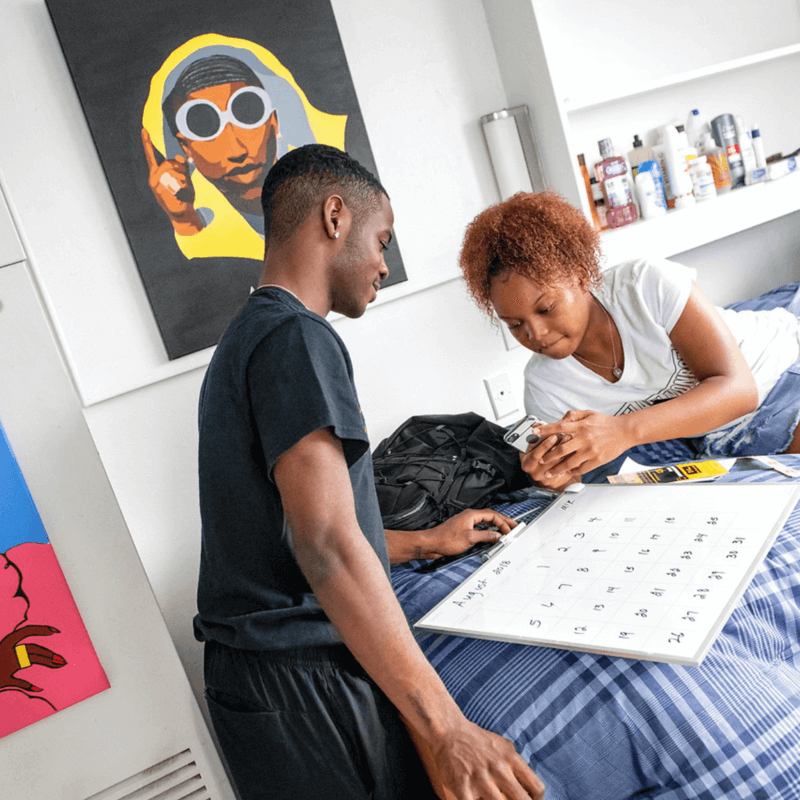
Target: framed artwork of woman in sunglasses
[189,103]
[220,113]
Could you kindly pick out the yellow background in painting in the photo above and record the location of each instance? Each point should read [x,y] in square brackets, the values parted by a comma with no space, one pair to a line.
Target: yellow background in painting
[229,234]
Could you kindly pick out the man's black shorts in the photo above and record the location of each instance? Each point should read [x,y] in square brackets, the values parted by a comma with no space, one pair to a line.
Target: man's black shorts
[308,724]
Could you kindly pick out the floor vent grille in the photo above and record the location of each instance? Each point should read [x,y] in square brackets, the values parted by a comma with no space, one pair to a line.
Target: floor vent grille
[175,778]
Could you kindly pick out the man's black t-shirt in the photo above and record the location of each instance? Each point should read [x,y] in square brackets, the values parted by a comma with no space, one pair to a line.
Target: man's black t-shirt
[279,373]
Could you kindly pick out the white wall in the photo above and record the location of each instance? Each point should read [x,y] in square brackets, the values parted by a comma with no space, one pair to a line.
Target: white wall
[424,71]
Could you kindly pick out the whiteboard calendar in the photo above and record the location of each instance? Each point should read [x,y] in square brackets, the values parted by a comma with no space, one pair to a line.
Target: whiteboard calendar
[649,572]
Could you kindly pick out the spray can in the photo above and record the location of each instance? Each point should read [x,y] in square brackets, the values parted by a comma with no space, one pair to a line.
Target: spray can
[723,128]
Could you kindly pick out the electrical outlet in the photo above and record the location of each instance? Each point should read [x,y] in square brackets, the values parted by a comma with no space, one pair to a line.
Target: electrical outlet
[498,388]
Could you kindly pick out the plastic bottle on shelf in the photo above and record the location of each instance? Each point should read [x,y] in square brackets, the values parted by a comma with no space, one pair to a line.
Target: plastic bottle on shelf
[650,190]
[677,167]
[599,203]
[687,150]
[602,211]
[660,156]
[702,179]
[724,130]
[658,177]
[758,147]
[612,175]
[590,195]
[718,161]
[745,144]
[696,129]
[638,154]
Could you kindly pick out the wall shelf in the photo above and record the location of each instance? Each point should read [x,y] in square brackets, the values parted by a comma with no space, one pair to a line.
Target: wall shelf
[729,213]
[633,90]
[549,51]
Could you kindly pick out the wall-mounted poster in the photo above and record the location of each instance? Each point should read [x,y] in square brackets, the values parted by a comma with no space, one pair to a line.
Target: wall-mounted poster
[189,103]
[47,662]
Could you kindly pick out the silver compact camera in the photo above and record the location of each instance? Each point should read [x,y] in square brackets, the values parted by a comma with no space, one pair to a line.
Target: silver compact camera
[520,435]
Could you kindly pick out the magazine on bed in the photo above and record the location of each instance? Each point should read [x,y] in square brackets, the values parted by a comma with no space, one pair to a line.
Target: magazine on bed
[648,572]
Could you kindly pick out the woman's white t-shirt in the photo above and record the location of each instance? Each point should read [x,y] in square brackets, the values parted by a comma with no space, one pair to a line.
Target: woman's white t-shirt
[645,298]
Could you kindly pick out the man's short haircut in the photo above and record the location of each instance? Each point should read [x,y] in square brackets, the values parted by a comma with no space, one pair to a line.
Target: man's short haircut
[200,74]
[307,175]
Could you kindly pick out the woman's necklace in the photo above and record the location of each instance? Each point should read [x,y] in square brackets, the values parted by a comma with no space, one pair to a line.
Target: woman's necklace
[615,370]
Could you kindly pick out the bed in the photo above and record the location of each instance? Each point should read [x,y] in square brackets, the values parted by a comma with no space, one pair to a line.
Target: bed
[604,728]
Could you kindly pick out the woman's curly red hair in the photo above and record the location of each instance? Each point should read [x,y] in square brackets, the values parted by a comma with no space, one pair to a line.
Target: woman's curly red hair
[541,236]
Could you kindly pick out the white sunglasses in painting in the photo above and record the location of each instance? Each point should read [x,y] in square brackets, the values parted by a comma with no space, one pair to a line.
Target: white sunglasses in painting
[201,120]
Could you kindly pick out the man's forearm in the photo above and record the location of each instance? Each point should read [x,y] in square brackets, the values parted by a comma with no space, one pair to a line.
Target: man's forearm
[407,545]
[350,583]
[348,580]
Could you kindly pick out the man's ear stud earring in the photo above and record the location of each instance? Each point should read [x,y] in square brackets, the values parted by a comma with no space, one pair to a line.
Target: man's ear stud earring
[336,235]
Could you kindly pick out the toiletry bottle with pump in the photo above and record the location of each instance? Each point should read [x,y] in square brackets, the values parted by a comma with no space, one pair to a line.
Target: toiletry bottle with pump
[638,154]
[724,130]
[612,175]
[718,161]
[702,179]
[587,184]
[758,147]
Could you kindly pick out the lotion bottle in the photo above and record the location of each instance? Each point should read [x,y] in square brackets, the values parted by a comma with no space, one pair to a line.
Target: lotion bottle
[650,191]
[677,167]
[745,144]
[702,179]
[758,147]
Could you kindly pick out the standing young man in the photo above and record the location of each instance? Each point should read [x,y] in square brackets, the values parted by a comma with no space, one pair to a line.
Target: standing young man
[309,657]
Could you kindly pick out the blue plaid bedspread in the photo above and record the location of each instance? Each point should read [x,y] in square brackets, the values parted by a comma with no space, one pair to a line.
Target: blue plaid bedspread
[601,728]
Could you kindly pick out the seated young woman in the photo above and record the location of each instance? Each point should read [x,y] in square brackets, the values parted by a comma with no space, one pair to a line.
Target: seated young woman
[630,355]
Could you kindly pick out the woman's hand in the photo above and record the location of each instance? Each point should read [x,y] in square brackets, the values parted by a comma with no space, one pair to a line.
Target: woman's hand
[589,439]
[531,461]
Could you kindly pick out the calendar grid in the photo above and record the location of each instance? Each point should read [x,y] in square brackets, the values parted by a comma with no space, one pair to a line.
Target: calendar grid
[650,572]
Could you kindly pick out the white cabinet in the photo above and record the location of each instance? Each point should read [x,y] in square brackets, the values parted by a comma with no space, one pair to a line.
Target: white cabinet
[623,67]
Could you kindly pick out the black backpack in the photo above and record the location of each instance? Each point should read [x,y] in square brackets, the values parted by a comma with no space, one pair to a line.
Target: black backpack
[434,466]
